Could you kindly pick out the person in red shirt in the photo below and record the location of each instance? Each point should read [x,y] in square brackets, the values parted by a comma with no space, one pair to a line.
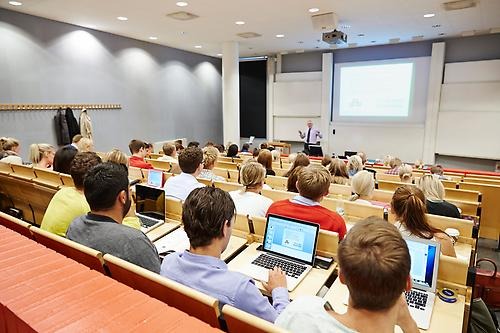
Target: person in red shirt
[138,151]
[313,183]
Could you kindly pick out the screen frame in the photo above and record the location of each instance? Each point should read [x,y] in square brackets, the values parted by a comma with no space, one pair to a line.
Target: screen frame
[437,245]
[157,172]
[316,225]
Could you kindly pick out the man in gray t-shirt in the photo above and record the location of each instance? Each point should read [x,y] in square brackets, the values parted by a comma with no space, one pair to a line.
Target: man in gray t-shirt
[106,189]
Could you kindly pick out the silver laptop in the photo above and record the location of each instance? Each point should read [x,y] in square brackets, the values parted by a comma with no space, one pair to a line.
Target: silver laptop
[424,270]
[150,206]
[289,244]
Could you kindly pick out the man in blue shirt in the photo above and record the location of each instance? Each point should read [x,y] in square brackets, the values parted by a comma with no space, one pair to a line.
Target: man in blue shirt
[208,215]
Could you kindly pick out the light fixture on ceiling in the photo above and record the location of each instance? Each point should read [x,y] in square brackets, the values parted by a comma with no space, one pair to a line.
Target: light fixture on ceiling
[239,22]
[153,38]
[280,36]
[15,3]
[122,18]
[361,35]
[219,54]
[181,3]
[197,46]
[429,15]
[344,26]
[313,10]
[436,26]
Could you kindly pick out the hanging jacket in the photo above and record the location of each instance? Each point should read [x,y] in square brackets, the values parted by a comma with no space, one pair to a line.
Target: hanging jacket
[61,127]
[73,127]
[85,125]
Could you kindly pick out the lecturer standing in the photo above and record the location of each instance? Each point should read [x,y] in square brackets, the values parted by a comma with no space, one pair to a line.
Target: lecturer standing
[311,136]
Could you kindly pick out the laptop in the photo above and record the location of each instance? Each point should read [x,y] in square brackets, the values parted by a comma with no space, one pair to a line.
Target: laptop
[155,178]
[289,244]
[150,206]
[424,270]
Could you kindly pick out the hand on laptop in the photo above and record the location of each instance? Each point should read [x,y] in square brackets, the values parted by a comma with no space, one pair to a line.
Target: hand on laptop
[276,279]
[405,320]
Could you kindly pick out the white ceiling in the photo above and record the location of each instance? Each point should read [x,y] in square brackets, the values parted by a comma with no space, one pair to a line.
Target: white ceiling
[378,20]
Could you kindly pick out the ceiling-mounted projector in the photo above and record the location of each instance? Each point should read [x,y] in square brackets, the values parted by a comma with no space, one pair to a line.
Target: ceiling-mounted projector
[335,37]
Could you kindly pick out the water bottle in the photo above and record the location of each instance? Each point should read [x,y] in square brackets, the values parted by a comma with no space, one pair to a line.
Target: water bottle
[340,205]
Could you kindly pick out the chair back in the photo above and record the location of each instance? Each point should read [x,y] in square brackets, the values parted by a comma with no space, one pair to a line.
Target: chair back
[240,321]
[192,302]
[15,224]
[173,208]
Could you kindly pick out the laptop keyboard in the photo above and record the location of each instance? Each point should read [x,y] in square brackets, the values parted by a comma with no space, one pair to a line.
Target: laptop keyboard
[289,268]
[147,222]
[416,299]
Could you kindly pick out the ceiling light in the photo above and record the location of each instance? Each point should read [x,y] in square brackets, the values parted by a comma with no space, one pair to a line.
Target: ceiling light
[361,35]
[15,3]
[181,4]
[280,36]
[197,46]
[313,10]
[240,22]
[219,54]
[153,38]
[429,15]
[122,18]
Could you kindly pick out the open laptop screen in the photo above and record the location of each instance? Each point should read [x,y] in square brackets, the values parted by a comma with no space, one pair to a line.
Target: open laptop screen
[291,238]
[424,262]
[150,201]
[155,178]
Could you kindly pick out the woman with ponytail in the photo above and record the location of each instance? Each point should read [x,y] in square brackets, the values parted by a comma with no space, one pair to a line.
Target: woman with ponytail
[408,204]
[42,155]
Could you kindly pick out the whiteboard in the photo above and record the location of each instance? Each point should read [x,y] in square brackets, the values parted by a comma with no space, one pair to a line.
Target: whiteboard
[286,128]
[297,98]
[469,134]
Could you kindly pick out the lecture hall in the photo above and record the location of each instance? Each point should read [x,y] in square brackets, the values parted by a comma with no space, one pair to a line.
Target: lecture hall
[250,166]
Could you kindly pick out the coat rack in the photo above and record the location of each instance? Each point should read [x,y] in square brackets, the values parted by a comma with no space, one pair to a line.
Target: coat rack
[51,107]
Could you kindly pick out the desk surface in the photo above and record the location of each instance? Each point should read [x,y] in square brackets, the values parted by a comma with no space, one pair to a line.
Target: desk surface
[162,230]
[177,240]
[446,317]
[311,284]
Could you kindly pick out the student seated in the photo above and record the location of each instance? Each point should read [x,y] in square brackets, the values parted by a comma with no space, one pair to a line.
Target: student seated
[326,160]
[291,183]
[245,148]
[438,171]
[63,158]
[116,156]
[69,202]
[354,165]
[266,159]
[362,185]
[85,145]
[191,164]
[194,144]
[208,216]
[107,191]
[338,171]
[9,151]
[408,205]
[249,201]
[375,266]
[138,151]
[170,153]
[42,155]
[210,156]
[394,164]
[313,184]
[405,174]
[434,193]
[300,159]
[232,151]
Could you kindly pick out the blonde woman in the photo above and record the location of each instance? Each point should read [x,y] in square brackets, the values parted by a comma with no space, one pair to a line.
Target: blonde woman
[405,174]
[210,156]
[362,185]
[42,155]
[85,145]
[354,165]
[10,149]
[338,170]
[248,200]
[434,193]
[116,156]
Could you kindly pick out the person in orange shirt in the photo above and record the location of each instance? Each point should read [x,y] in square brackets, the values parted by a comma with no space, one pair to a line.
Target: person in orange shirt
[138,151]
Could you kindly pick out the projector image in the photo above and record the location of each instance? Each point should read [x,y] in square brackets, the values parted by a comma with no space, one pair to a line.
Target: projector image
[335,37]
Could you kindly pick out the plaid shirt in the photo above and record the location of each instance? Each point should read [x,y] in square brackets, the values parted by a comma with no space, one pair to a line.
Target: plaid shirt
[393,171]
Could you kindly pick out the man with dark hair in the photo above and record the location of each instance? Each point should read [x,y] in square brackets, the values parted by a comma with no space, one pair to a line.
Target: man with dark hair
[194,144]
[106,189]
[374,263]
[138,151]
[63,158]
[191,164]
[208,216]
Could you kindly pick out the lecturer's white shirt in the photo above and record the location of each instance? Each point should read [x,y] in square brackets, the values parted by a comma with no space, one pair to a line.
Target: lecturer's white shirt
[314,137]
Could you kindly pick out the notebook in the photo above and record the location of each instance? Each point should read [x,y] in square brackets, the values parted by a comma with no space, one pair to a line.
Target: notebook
[155,178]
[424,270]
[289,244]
[150,206]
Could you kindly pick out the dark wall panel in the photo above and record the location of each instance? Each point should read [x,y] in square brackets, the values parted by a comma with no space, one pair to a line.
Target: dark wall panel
[253,93]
